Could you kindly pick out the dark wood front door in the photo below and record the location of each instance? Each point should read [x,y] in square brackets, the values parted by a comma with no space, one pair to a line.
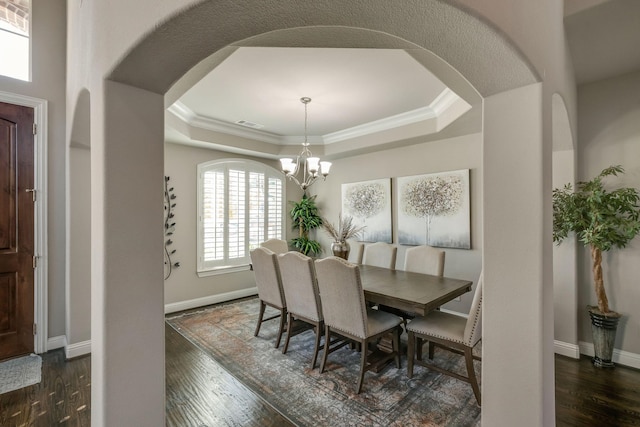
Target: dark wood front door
[17,198]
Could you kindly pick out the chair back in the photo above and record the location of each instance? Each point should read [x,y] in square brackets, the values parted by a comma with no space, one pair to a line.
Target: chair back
[343,305]
[473,328]
[276,245]
[267,274]
[380,254]
[299,284]
[355,254]
[424,259]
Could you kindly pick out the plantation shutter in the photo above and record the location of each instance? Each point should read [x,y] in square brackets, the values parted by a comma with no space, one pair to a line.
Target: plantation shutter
[240,205]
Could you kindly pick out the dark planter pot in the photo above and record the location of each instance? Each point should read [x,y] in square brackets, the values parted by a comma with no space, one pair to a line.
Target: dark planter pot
[603,329]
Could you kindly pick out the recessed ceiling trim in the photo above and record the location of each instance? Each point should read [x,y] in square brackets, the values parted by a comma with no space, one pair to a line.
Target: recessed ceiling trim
[185,114]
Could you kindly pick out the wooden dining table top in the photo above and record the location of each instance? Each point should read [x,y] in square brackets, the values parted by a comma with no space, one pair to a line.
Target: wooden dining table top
[415,293]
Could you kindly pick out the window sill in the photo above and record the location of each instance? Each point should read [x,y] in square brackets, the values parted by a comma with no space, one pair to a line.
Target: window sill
[223,270]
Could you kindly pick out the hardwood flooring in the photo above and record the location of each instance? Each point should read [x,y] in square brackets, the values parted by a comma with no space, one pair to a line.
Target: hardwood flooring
[200,393]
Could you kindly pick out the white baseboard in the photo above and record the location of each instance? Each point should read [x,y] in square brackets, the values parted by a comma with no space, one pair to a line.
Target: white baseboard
[56,342]
[78,349]
[208,300]
[619,356]
[566,349]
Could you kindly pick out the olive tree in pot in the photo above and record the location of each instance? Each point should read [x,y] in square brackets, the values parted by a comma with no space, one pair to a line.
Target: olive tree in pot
[601,219]
[305,217]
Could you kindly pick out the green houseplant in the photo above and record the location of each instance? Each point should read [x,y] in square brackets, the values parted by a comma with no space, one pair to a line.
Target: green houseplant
[601,220]
[305,217]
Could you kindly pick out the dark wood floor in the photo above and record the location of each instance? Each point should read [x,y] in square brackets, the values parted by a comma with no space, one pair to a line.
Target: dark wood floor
[201,393]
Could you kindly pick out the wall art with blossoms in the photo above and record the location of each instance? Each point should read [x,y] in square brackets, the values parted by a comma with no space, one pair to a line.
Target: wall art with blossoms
[369,204]
[434,209]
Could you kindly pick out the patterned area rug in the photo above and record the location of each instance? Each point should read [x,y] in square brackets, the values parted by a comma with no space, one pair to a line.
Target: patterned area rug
[309,398]
[20,372]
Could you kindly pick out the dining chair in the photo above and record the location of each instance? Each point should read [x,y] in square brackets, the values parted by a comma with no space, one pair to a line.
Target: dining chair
[277,246]
[424,259]
[380,254]
[267,275]
[346,314]
[302,296]
[355,254]
[451,332]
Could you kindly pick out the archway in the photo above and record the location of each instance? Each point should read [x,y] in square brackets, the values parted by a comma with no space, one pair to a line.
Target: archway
[78,264]
[133,128]
[565,284]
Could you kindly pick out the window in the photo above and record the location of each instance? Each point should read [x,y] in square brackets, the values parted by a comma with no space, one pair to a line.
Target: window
[240,204]
[14,39]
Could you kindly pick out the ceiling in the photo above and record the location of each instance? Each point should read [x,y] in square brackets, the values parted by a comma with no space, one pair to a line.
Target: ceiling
[603,37]
[373,98]
[255,94]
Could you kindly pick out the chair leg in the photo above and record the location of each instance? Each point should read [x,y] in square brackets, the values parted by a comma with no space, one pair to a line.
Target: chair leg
[432,347]
[468,357]
[283,314]
[396,346]
[318,329]
[260,316]
[363,364]
[289,329]
[419,344]
[327,341]
[411,351]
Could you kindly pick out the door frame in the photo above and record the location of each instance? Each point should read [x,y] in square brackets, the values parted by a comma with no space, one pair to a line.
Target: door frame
[40,300]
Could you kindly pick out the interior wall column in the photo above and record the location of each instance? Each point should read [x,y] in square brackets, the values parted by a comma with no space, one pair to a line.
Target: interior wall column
[516,380]
[127,275]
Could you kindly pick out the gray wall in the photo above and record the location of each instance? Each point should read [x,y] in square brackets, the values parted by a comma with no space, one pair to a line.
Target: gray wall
[184,284]
[609,134]
[48,82]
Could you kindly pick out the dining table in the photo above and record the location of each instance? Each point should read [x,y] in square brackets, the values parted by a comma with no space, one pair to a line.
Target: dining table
[414,293]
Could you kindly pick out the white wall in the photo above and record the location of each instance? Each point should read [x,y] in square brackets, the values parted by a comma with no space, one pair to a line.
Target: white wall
[609,134]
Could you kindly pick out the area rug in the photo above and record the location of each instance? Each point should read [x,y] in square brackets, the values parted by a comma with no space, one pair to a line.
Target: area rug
[308,398]
[20,372]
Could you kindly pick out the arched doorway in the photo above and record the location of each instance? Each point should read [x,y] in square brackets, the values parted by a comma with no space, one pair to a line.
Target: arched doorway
[133,106]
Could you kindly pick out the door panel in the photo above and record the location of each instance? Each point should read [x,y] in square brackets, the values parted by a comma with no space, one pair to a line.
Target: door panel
[16,230]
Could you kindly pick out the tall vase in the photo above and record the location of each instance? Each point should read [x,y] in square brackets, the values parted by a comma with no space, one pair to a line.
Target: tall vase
[603,329]
[341,249]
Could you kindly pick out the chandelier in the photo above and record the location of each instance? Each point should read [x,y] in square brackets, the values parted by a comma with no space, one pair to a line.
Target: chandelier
[310,167]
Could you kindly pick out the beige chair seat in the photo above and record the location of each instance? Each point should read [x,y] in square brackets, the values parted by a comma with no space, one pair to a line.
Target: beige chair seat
[441,325]
[380,321]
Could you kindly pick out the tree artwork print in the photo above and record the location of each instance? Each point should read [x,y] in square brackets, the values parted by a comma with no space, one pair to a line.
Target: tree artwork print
[433,209]
[369,203]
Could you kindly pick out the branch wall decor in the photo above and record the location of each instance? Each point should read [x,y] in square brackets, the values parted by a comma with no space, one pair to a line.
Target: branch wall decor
[169,228]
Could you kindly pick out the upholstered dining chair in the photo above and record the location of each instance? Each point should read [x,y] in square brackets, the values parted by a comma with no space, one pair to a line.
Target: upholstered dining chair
[346,314]
[277,246]
[424,259]
[451,332]
[355,254]
[380,254]
[267,274]
[302,296]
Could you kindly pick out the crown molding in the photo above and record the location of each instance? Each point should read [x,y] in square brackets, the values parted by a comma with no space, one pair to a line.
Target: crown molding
[438,107]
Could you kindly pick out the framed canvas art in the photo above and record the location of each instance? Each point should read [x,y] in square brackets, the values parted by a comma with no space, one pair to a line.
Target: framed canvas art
[369,204]
[434,209]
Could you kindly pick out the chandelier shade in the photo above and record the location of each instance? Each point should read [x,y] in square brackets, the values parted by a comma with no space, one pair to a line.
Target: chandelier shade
[305,169]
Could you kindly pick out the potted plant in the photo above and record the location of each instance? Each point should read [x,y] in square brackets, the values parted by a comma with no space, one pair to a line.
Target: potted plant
[601,220]
[345,230]
[305,217]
